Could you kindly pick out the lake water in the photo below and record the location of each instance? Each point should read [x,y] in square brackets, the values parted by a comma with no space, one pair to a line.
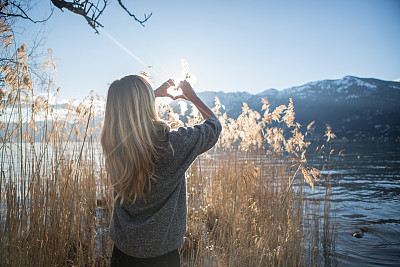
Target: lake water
[366,200]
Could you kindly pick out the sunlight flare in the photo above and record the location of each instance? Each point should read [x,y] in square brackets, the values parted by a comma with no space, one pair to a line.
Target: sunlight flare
[120,45]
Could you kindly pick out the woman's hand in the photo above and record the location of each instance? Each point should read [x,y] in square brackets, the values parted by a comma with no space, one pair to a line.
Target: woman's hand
[189,94]
[162,90]
[187,91]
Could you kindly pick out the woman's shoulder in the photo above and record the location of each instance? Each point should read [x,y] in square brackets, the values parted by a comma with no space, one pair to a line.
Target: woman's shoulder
[208,126]
[203,135]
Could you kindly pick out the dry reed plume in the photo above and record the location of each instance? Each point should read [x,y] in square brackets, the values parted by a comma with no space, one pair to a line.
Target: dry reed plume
[246,197]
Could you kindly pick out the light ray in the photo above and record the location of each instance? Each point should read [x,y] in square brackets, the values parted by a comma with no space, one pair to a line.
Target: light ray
[185,75]
[120,45]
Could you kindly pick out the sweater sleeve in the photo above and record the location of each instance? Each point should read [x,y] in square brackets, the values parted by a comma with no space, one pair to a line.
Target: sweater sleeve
[189,142]
[186,143]
[199,138]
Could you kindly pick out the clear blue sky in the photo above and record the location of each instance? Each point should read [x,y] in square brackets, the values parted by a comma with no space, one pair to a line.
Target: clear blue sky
[229,45]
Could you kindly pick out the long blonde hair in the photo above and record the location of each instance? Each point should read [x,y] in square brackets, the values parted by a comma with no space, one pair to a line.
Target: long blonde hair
[129,136]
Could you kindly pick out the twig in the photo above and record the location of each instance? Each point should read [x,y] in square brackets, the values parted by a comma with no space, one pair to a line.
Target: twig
[80,9]
[132,15]
[24,15]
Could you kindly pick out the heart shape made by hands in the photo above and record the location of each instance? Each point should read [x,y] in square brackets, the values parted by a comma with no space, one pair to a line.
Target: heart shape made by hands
[175,92]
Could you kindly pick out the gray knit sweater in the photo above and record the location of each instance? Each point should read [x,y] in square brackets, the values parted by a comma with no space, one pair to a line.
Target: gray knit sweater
[156,226]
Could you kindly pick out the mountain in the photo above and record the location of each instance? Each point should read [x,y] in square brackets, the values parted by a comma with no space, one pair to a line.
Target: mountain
[356,108]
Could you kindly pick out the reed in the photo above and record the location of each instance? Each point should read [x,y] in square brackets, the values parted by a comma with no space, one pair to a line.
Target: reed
[247,203]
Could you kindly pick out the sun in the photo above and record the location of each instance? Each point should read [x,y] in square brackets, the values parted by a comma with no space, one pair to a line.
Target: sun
[174,91]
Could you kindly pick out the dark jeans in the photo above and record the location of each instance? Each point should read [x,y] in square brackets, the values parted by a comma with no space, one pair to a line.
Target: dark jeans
[120,259]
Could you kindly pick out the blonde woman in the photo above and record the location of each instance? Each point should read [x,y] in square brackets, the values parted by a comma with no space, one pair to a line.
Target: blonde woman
[147,163]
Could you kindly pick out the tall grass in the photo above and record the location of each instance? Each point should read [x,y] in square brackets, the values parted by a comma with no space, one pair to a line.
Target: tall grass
[247,202]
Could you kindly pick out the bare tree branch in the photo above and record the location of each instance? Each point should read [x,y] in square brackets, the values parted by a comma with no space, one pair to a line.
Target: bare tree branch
[132,15]
[7,10]
[84,9]
[91,10]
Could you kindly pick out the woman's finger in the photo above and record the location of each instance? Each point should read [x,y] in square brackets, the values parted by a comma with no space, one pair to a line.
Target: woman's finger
[170,82]
[170,96]
[179,97]
[181,85]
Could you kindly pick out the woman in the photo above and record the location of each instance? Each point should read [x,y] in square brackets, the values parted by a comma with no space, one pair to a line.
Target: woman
[147,163]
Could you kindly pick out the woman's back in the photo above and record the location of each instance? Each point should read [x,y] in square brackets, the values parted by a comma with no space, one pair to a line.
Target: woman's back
[147,164]
[156,224]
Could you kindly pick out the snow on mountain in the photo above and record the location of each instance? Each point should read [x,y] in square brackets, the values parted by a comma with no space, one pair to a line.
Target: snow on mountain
[348,81]
[353,106]
[344,87]
[356,108]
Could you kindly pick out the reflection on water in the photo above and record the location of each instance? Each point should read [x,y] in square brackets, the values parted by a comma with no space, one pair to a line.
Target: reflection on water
[366,198]
[366,189]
